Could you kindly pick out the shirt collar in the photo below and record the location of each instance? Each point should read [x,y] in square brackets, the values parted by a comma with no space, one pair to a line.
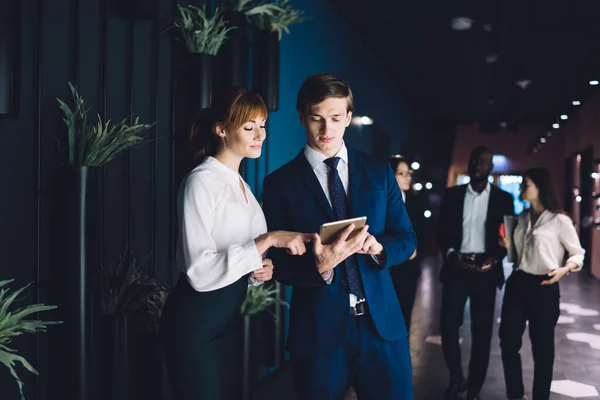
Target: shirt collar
[474,193]
[315,159]
[212,162]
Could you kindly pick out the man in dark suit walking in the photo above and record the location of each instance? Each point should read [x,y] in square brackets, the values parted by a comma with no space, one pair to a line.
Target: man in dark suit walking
[467,234]
[346,327]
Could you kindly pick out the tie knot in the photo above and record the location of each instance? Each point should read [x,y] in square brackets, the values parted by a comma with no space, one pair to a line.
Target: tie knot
[332,162]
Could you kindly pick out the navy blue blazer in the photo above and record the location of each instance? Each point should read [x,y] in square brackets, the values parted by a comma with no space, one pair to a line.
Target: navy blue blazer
[293,200]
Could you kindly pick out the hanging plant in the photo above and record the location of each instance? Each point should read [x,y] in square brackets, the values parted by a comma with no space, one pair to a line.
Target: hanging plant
[12,324]
[249,7]
[199,32]
[96,144]
[280,16]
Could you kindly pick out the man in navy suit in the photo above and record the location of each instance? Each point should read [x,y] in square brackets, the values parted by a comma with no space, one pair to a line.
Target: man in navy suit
[346,326]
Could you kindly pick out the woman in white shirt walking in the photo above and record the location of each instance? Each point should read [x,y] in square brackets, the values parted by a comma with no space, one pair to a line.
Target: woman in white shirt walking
[542,236]
[222,237]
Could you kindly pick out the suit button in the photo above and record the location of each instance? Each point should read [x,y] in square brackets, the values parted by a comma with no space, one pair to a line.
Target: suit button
[344,282]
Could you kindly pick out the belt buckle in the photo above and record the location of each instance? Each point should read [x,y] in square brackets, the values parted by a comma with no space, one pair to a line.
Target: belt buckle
[356,312]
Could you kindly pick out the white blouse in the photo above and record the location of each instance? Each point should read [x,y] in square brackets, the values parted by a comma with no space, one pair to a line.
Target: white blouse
[216,245]
[541,248]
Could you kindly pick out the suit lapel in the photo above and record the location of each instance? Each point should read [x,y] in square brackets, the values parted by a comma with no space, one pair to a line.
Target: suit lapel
[355,174]
[312,183]
[492,208]
[460,205]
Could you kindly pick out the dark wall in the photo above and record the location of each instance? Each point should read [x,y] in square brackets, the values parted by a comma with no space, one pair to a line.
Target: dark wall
[122,67]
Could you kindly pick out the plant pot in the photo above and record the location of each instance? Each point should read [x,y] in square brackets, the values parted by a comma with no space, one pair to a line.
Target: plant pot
[234,54]
[247,350]
[135,9]
[194,86]
[254,349]
[266,67]
[115,359]
[275,331]
[199,80]
[69,284]
[150,380]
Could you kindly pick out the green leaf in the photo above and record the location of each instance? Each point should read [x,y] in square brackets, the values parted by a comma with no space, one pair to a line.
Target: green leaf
[94,144]
[12,324]
[260,298]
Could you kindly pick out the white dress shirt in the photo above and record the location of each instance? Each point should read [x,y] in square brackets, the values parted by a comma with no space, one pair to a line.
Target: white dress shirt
[321,170]
[475,208]
[541,247]
[217,227]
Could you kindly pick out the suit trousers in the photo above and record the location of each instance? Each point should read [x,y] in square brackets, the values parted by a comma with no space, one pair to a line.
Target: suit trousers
[480,289]
[377,369]
[406,279]
[525,299]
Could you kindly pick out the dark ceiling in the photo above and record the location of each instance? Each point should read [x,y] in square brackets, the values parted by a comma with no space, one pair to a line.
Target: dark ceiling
[553,43]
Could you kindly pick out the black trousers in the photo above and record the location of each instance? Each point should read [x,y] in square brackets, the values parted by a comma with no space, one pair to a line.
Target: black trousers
[480,289]
[406,278]
[525,299]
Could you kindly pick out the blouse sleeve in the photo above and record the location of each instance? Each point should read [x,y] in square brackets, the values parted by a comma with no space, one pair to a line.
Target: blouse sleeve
[569,239]
[206,268]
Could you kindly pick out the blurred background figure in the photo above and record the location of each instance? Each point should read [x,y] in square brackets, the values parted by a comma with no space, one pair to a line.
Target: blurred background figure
[406,275]
[544,234]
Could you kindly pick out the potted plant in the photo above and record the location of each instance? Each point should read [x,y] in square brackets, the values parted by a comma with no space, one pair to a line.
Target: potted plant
[88,146]
[149,353]
[124,288]
[258,299]
[13,323]
[202,36]
[266,48]
[233,58]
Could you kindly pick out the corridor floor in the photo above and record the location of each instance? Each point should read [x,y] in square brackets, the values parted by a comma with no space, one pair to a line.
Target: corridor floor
[576,366]
[577,363]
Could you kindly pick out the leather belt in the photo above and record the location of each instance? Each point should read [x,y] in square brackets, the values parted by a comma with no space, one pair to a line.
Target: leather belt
[359,309]
[474,262]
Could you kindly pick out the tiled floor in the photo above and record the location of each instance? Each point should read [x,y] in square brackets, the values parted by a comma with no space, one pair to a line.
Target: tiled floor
[577,341]
[577,363]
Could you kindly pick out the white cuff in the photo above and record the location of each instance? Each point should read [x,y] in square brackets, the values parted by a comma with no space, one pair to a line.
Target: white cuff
[328,276]
[253,259]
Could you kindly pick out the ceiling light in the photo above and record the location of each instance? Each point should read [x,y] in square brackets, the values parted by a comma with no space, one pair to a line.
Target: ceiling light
[415,165]
[366,121]
[576,102]
[491,58]
[488,27]
[427,214]
[548,134]
[523,83]
[594,83]
[418,186]
[543,140]
[429,185]
[462,23]
[555,126]
[564,117]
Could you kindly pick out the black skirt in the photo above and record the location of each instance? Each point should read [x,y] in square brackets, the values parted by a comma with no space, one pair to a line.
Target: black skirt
[201,335]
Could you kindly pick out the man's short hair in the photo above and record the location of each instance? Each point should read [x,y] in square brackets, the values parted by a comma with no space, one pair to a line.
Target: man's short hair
[319,87]
[479,150]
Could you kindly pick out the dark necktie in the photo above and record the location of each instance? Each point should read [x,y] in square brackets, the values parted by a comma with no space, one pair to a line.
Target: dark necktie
[339,203]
